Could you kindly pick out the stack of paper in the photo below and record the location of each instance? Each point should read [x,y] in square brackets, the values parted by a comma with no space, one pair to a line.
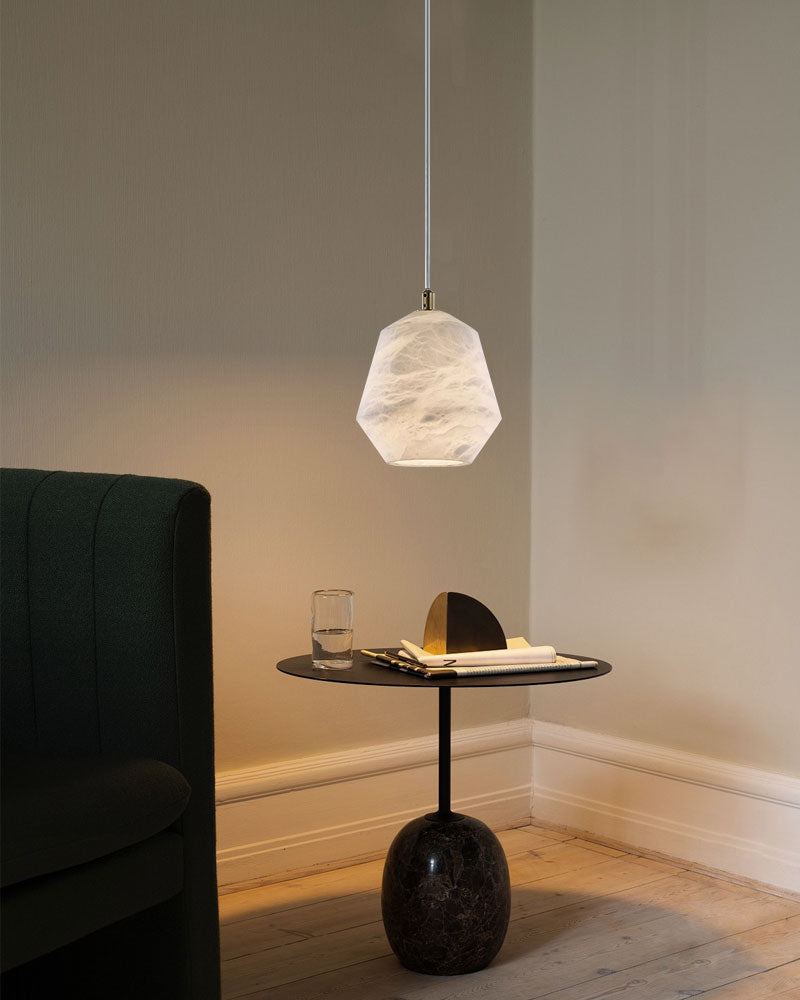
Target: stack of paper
[518,657]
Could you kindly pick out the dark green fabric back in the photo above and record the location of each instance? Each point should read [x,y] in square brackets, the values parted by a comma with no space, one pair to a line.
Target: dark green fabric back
[89,613]
[106,637]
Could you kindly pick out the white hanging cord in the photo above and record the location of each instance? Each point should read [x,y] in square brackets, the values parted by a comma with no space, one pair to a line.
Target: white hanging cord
[427,143]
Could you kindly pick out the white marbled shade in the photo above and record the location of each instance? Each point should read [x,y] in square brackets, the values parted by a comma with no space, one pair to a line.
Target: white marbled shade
[429,398]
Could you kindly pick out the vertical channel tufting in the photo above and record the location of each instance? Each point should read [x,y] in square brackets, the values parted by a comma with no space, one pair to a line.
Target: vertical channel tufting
[134,615]
[61,567]
[28,623]
[98,708]
[17,700]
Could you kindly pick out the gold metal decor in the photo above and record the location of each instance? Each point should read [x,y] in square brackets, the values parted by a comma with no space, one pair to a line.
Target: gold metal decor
[457,623]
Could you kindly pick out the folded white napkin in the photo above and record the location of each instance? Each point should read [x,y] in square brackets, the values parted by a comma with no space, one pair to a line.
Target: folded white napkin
[518,650]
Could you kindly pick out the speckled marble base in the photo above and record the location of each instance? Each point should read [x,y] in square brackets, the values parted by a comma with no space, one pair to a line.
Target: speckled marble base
[446,895]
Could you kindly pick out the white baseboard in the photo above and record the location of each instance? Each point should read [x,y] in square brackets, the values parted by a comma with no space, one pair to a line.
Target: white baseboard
[725,816]
[300,813]
[319,810]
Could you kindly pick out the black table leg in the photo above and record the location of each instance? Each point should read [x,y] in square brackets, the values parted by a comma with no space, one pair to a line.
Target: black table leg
[446,895]
[444,753]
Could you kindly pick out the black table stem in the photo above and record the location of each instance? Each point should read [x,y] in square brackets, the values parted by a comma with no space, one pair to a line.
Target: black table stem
[444,752]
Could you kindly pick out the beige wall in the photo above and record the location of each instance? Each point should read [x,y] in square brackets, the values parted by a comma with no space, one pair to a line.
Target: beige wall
[211,209]
[666,410]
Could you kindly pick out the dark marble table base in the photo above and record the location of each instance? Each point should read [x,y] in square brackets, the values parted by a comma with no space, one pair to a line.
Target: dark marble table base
[446,895]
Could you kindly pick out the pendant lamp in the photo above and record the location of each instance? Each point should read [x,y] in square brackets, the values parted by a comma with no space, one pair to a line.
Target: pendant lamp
[428,399]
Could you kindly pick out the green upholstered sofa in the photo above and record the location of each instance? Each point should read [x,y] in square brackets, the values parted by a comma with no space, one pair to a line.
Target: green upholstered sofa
[108,844]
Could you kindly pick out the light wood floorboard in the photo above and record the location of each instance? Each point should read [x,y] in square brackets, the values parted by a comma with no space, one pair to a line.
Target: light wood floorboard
[588,922]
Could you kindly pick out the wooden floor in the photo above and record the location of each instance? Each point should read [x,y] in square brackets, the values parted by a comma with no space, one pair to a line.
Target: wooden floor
[587,923]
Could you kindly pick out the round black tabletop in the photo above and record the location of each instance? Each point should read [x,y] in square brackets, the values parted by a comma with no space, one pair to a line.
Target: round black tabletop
[364,671]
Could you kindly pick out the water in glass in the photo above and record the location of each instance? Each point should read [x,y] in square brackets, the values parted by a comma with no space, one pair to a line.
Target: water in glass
[332,648]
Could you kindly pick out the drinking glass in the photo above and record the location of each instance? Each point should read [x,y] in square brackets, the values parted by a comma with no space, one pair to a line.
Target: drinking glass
[332,629]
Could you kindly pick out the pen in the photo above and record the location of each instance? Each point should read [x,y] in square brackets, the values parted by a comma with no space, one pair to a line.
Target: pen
[390,661]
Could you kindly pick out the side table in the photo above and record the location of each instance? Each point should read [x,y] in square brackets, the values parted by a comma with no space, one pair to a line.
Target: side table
[446,895]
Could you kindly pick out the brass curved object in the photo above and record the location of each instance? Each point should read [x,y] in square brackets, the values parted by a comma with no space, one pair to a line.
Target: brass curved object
[458,623]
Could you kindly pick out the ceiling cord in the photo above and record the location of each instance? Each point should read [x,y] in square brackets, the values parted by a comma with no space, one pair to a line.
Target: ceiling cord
[427,143]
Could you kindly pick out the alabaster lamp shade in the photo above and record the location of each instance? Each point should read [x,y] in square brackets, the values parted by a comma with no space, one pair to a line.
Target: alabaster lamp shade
[429,398]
